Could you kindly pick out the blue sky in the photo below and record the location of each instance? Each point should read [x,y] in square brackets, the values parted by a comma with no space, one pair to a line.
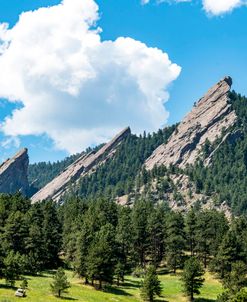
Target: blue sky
[206,47]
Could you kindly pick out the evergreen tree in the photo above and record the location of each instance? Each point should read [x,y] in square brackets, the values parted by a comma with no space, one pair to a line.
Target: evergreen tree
[191,229]
[175,241]
[151,286]
[51,234]
[142,209]
[100,262]
[210,229]
[241,296]
[60,283]
[192,277]
[236,279]
[14,266]
[124,242]
[83,244]
[229,252]
[24,283]
[156,234]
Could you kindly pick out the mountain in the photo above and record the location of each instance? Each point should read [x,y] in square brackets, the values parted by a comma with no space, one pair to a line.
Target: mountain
[84,165]
[200,162]
[13,174]
[210,115]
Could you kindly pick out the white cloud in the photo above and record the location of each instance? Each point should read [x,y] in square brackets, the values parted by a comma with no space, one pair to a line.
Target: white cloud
[212,7]
[74,87]
[143,2]
[219,7]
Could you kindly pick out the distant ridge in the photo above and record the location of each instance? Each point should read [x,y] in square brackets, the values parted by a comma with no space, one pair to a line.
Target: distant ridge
[83,166]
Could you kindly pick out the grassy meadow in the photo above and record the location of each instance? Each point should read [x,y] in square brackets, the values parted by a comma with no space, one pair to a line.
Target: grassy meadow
[39,290]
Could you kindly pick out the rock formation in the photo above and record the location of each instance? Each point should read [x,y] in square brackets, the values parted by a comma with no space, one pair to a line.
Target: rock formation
[13,174]
[210,115]
[81,167]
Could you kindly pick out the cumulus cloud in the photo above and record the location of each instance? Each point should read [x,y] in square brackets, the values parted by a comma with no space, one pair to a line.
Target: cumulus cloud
[212,7]
[74,87]
[220,7]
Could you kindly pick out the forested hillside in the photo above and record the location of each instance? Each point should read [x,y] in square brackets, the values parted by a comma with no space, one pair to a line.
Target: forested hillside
[218,176]
[41,173]
[116,177]
[226,176]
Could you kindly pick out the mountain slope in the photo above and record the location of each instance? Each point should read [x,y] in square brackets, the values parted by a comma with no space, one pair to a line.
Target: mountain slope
[205,122]
[83,166]
[13,174]
[200,162]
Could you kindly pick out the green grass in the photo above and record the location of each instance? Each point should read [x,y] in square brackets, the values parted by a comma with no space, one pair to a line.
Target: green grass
[39,290]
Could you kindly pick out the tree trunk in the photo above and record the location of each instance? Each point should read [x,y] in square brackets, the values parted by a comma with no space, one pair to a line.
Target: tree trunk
[191,296]
[205,261]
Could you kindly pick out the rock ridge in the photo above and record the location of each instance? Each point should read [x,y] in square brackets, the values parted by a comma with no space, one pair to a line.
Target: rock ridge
[14,173]
[209,116]
[81,167]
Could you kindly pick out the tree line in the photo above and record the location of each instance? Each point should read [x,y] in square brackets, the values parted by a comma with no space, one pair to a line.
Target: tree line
[103,242]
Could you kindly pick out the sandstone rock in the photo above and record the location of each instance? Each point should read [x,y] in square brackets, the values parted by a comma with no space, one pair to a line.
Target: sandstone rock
[13,174]
[208,118]
[83,166]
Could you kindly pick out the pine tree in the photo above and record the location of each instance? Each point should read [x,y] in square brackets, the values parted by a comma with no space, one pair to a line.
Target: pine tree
[192,277]
[100,262]
[156,231]
[151,286]
[175,242]
[141,211]
[60,283]
[228,253]
[190,228]
[51,233]
[14,267]
[124,241]
[236,279]
[24,283]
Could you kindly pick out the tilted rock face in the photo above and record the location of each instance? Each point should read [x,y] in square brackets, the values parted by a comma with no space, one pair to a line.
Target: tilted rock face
[81,167]
[13,174]
[207,119]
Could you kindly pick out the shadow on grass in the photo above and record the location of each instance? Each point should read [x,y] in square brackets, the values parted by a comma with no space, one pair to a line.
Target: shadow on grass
[204,300]
[164,271]
[68,298]
[116,291]
[5,286]
[131,284]
[160,300]
[45,274]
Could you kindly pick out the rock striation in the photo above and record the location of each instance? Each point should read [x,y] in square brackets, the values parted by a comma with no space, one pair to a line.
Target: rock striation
[210,115]
[83,166]
[14,174]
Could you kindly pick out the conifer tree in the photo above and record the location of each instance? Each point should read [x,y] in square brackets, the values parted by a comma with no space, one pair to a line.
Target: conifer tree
[151,286]
[100,262]
[191,228]
[192,277]
[60,283]
[175,242]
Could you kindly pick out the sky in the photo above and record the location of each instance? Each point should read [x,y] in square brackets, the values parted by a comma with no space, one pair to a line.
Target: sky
[75,72]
